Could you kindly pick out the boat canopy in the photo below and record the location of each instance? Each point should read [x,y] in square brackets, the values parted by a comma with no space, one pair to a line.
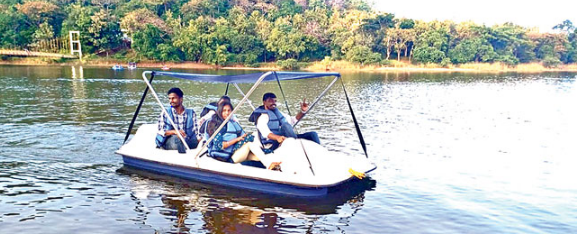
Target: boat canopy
[255,78]
[246,78]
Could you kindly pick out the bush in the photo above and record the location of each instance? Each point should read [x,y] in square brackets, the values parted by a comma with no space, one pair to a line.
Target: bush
[387,62]
[551,62]
[363,55]
[446,62]
[428,55]
[289,64]
[508,59]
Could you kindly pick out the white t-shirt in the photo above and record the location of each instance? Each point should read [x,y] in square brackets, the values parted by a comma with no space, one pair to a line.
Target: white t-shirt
[262,123]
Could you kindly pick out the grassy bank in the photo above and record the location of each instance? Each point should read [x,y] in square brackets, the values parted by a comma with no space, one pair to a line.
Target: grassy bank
[339,66]
[404,66]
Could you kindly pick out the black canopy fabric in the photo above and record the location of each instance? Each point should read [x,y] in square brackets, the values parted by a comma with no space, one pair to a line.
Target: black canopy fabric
[246,78]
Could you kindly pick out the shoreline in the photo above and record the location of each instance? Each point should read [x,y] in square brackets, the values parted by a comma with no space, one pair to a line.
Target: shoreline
[337,66]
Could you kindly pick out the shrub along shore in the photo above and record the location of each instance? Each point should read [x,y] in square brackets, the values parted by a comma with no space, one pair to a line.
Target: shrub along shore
[338,66]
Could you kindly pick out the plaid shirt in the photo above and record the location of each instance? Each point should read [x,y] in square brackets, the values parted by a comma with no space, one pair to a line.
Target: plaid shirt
[179,121]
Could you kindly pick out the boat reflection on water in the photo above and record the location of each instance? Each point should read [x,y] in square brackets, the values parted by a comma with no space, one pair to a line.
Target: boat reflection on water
[228,210]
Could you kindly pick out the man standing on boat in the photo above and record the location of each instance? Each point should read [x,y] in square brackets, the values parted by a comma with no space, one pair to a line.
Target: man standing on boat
[185,121]
[274,127]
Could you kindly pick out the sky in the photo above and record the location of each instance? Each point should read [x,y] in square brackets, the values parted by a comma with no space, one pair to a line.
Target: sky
[543,14]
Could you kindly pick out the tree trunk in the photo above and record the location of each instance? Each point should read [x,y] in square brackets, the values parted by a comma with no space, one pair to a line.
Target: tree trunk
[388,47]
[411,54]
[399,54]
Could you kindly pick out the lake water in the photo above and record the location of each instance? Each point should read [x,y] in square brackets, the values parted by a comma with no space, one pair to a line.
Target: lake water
[455,153]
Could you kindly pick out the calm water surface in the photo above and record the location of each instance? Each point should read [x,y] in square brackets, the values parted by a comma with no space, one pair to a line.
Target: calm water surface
[456,153]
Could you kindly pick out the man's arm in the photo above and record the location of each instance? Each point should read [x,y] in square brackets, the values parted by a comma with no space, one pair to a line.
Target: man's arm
[262,126]
[304,109]
[162,126]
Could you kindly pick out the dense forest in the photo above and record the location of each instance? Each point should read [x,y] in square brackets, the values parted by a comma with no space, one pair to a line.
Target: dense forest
[248,32]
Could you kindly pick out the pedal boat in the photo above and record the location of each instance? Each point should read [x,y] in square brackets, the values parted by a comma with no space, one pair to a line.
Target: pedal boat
[321,169]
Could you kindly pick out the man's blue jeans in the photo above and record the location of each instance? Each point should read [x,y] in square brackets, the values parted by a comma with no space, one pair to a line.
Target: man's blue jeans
[173,143]
[288,131]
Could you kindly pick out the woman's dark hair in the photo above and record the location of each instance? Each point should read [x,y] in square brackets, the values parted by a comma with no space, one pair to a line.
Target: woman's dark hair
[224,98]
[217,119]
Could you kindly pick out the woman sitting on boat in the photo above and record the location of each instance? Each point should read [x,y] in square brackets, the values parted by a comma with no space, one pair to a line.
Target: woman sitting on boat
[232,144]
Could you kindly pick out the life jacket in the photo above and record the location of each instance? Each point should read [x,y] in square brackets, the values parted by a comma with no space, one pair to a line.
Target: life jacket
[232,130]
[188,125]
[275,120]
[211,106]
[202,128]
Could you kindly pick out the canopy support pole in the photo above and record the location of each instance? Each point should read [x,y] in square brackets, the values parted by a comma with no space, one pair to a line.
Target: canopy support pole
[241,93]
[288,109]
[137,110]
[164,109]
[283,96]
[256,84]
[318,99]
[361,139]
[226,91]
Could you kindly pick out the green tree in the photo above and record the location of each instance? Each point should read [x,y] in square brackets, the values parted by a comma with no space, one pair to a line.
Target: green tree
[207,8]
[510,42]
[285,40]
[104,31]
[16,32]
[566,26]
[346,31]
[44,32]
[472,50]
[138,20]
[378,27]
[243,40]
[153,43]
[363,55]
[189,40]
[432,42]
[552,46]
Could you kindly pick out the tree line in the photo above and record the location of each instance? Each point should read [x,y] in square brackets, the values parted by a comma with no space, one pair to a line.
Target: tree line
[224,32]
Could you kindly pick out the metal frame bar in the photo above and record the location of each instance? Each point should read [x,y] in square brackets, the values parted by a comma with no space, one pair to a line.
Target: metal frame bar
[318,99]
[137,110]
[283,96]
[241,93]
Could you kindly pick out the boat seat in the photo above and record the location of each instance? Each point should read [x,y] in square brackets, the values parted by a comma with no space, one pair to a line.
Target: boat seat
[145,137]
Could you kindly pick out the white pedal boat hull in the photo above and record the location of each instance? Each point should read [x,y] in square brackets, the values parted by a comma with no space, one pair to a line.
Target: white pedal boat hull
[296,179]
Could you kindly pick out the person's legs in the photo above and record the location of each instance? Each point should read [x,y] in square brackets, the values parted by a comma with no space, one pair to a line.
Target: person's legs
[174,143]
[311,136]
[192,142]
[171,143]
[241,154]
[287,130]
[257,154]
